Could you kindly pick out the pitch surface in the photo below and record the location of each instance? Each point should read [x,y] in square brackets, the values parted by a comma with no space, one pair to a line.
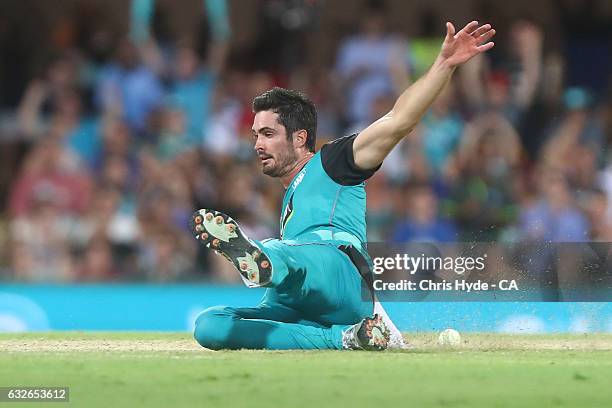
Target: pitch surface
[162,370]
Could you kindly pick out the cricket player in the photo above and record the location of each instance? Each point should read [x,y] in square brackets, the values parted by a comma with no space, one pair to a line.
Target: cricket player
[313,273]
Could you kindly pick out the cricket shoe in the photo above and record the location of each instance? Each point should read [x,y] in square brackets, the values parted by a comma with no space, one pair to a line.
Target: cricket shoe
[369,334]
[396,340]
[220,232]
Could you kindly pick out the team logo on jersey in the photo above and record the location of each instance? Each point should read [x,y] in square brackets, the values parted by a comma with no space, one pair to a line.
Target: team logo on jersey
[287,214]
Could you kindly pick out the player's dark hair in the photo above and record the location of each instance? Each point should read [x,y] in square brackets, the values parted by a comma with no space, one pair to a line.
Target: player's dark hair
[295,112]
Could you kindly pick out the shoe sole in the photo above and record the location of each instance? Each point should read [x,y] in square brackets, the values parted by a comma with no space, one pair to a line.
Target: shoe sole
[220,232]
[375,335]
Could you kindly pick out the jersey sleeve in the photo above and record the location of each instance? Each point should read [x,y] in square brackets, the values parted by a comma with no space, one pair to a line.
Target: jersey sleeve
[339,163]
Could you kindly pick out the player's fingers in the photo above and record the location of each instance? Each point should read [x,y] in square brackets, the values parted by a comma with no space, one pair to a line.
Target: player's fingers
[450,29]
[470,27]
[486,36]
[485,47]
[481,30]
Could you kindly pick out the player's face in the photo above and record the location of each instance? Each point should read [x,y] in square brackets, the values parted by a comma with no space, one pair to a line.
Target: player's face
[275,151]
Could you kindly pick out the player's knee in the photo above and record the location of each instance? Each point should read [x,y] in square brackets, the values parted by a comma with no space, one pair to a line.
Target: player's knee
[212,327]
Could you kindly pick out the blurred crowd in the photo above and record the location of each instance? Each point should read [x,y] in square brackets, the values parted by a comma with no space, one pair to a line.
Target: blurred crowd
[119,138]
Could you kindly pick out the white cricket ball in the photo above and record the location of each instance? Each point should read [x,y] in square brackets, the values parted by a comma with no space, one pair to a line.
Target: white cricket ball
[449,338]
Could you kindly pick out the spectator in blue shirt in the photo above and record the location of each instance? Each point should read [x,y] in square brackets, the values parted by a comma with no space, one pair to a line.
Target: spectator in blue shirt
[128,88]
[423,223]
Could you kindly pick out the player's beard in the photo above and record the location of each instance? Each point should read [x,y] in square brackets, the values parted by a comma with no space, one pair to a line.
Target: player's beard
[282,163]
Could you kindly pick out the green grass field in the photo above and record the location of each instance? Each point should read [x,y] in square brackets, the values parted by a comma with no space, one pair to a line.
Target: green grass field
[170,370]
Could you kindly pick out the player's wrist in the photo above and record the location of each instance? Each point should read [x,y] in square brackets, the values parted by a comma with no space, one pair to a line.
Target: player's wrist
[443,65]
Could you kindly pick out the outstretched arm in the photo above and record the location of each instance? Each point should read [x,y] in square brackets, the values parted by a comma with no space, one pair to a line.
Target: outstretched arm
[374,144]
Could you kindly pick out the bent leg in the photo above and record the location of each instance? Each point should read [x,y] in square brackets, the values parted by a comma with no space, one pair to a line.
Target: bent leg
[223,327]
[319,281]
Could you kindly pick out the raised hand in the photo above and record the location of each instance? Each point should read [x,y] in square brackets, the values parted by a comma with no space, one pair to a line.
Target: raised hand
[468,42]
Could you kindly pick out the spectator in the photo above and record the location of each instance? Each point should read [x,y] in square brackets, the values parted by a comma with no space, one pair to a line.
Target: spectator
[554,216]
[128,89]
[441,130]
[48,172]
[97,263]
[41,241]
[423,223]
[485,178]
[173,138]
[166,255]
[193,88]
[597,205]
[510,90]
[370,63]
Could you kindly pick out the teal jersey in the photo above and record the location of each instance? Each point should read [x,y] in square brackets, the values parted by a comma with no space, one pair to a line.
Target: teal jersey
[326,200]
